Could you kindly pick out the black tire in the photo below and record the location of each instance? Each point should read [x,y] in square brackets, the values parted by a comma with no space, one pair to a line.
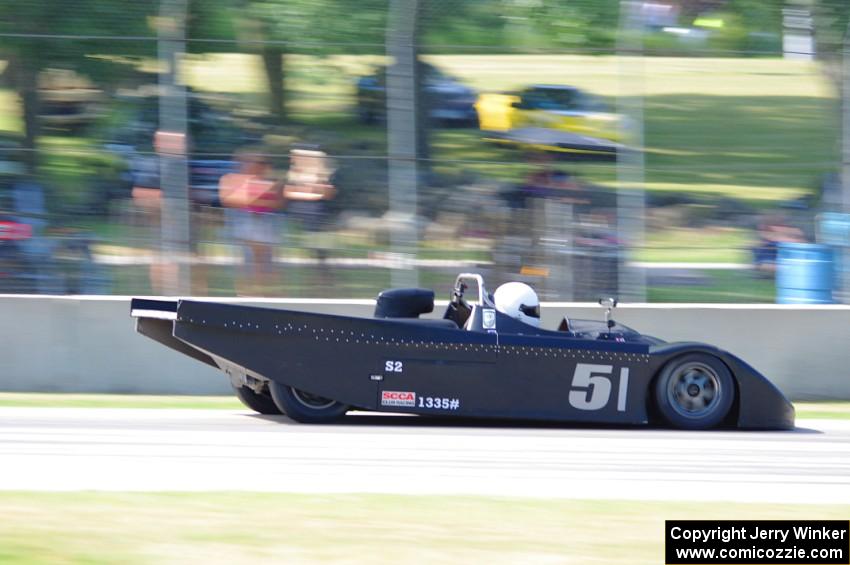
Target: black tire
[304,407]
[261,403]
[694,392]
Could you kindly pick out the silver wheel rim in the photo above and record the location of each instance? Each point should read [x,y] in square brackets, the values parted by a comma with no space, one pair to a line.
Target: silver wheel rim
[694,390]
[311,401]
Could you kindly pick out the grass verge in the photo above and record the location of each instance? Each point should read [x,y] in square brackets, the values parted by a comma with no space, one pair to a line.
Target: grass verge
[58,400]
[823,410]
[289,528]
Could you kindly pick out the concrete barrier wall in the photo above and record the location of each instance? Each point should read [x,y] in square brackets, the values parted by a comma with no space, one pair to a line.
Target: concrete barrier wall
[89,344]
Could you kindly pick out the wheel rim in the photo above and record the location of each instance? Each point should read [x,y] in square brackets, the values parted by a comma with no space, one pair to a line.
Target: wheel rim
[311,401]
[694,390]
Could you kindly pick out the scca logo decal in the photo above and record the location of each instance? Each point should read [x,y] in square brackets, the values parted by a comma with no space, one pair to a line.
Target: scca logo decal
[398,398]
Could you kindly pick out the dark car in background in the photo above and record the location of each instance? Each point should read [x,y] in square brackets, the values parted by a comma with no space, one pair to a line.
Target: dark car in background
[214,137]
[68,102]
[449,101]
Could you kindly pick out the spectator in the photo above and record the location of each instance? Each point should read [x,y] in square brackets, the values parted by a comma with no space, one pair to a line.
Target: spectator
[772,231]
[307,190]
[256,201]
[147,197]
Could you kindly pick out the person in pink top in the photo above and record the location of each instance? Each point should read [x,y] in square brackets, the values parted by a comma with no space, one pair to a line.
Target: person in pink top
[256,200]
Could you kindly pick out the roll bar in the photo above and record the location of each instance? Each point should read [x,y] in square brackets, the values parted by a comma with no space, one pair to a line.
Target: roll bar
[483,296]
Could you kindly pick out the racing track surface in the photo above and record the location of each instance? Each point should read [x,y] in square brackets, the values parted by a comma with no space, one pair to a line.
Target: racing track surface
[192,450]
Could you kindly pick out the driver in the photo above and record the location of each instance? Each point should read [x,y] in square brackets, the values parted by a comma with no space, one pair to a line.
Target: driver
[519,301]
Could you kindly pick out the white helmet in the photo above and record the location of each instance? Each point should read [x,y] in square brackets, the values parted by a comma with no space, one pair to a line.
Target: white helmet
[519,301]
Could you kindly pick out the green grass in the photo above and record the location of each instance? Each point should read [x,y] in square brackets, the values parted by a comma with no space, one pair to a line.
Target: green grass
[10,115]
[823,410]
[761,130]
[830,410]
[695,245]
[756,129]
[298,281]
[233,528]
[59,400]
[713,286]
[603,75]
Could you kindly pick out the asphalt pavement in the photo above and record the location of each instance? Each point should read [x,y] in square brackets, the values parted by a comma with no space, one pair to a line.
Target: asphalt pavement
[62,449]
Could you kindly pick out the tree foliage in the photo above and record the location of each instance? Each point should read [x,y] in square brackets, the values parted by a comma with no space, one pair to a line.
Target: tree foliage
[27,27]
[831,21]
[516,25]
[89,36]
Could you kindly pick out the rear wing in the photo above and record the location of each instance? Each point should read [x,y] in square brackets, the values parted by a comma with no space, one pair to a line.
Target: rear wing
[155,319]
[148,308]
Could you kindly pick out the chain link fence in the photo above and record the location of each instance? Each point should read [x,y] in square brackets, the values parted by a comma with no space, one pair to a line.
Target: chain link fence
[660,151]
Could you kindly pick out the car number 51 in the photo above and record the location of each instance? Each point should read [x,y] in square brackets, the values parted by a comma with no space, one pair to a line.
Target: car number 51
[591,387]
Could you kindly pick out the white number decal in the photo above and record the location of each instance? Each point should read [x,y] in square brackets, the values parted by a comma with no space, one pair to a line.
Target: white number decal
[592,387]
[393,367]
[587,379]
[624,389]
[439,403]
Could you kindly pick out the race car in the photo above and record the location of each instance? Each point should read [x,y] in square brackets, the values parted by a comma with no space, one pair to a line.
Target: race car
[486,357]
[552,118]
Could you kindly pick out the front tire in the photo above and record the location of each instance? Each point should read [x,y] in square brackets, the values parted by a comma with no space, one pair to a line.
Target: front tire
[305,407]
[257,402]
[694,392]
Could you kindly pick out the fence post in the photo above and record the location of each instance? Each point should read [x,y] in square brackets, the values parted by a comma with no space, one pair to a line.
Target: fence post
[844,263]
[401,38]
[172,144]
[630,161]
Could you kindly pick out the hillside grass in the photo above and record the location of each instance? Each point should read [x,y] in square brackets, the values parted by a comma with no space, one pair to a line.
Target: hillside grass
[761,130]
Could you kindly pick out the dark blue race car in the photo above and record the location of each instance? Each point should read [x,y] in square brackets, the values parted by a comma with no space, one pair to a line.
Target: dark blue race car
[477,361]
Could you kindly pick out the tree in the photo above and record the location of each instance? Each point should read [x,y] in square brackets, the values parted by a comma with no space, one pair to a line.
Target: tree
[275,28]
[831,20]
[517,25]
[85,35]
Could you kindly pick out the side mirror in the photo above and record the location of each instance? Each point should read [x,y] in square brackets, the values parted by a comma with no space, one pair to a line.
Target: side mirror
[609,304]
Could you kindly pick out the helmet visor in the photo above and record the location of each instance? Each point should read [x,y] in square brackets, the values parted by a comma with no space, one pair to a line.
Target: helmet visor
[531,311]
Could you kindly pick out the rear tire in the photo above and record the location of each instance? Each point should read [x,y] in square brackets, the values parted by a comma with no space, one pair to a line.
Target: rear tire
[694,392]
[257,402]
[305,407]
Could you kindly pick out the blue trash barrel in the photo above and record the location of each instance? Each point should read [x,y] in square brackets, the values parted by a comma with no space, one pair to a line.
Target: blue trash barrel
[804,274]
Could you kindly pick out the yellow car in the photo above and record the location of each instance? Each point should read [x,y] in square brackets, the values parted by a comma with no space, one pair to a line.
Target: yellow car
[540,108]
